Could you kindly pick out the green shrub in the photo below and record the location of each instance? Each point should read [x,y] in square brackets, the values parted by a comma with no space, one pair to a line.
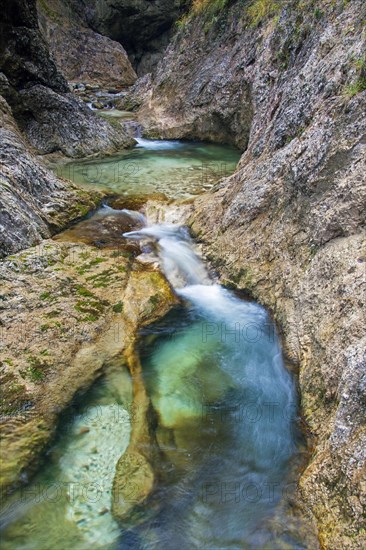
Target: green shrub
[118,308]
[210,6]
[261,9]
[203,7]
[359,84]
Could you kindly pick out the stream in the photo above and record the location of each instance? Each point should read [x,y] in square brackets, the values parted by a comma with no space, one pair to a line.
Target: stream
[226,408]
[179,169]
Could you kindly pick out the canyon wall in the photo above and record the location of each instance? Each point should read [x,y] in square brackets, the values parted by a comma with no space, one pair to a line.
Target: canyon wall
[288,88]
[143,27]
[38,114]
[80,53]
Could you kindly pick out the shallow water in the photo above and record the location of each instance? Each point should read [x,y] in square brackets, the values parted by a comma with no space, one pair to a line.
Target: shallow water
[227,410]
[67,506]
[177,169]
[226,407]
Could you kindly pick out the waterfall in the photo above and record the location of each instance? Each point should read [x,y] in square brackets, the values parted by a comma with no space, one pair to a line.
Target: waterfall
[180,263]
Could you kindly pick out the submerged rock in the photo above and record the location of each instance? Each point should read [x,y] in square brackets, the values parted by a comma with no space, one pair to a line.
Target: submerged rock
[104,229]
[60,328]
[148,296]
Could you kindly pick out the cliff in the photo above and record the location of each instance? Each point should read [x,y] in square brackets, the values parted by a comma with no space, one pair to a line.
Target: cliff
[286,83]
[143,27]
[38,114]
[82,54]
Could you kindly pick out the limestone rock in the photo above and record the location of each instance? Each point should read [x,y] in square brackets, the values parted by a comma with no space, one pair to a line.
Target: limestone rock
[38,95]
[55,122]
[143,27]
[80,53]
[289,225]
[33,202]
[59,328]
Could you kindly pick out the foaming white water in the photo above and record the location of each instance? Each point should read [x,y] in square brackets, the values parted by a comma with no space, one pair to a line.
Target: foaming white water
[180,263]
[243,326]
[221,386]
[158,144]
[136,216]
[220,303]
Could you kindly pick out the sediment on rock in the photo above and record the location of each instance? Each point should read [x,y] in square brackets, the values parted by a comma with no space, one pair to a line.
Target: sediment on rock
[80,310]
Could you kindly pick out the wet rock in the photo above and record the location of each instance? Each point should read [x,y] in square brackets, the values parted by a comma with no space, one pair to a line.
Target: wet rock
[66,332]
[133,483]
[104,229]
[84,430]
[288,226]
[136,202]
[147,295]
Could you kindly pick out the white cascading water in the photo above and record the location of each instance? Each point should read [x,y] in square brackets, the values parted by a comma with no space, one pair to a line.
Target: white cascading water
[158,145]
[228,357]
[180,263]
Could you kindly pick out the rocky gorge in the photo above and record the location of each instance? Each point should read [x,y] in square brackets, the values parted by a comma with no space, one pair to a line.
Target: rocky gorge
[282,81]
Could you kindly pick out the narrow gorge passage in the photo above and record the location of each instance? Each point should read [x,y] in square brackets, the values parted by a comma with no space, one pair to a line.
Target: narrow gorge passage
[226,430]
[182,274]
[225,404]
[226,408]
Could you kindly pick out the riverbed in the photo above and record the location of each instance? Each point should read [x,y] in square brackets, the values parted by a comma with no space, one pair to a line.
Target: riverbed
[178,169]
[224,407]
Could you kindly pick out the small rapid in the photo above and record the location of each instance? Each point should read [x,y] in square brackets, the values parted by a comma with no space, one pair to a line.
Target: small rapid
[223,423]
[227,412]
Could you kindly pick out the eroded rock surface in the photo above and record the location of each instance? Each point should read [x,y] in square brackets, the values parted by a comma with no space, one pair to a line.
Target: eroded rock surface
[33,203]
[63,123]
[80,53]
[68,310]
[143,27]
[51,117]
[37,109]
[289,225]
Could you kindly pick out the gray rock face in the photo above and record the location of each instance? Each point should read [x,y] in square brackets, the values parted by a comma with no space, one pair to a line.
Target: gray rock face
[55,122]
[24,56]
[82,54]
[38,94]
[33,202]
[200,90]
[142,26]
[289,225]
